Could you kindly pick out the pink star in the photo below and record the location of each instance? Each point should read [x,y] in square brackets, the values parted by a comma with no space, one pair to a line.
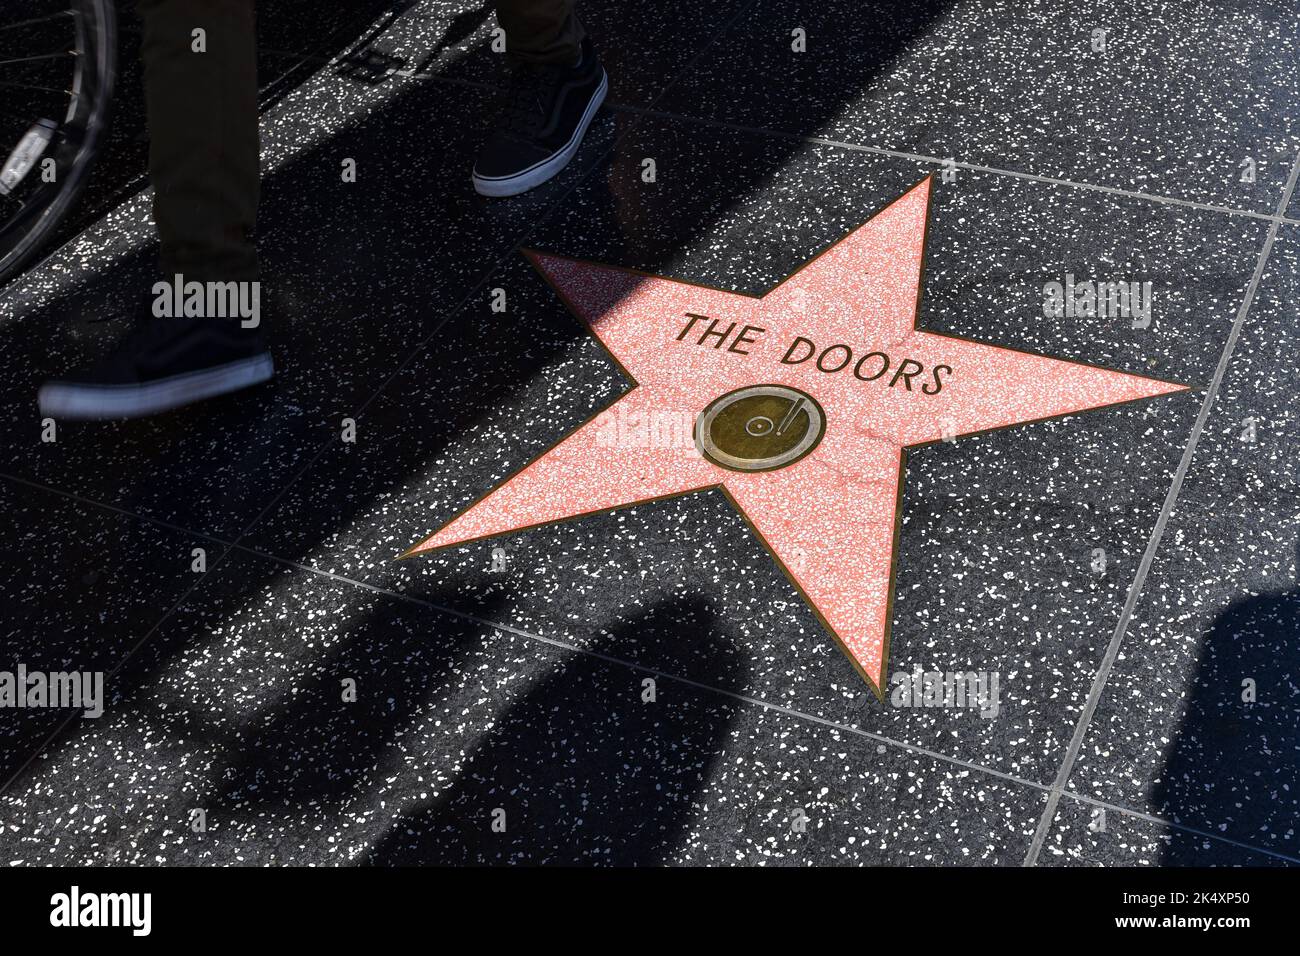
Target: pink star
[841,330]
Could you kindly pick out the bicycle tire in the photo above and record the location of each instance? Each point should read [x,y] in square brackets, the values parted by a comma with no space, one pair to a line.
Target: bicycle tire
[83,130]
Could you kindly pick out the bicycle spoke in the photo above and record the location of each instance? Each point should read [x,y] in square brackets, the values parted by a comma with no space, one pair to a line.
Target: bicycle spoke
[49,18]
[68,54]
[43,89]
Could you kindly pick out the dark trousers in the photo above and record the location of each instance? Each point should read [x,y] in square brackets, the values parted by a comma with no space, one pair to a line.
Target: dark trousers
[202,112]
[540,31]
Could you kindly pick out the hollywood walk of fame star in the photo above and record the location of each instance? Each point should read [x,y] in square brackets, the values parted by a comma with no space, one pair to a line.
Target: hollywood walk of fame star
[804,402]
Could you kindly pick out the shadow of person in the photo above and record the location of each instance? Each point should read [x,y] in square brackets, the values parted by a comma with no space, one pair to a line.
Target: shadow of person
[585,768]
[326,704]
[1234,767]
[324,743]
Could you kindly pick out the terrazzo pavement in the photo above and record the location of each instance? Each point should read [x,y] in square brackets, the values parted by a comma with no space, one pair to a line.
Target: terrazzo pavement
[646,687]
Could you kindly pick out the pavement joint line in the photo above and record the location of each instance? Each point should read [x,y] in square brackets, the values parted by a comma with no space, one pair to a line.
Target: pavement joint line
[646,669]
[496,626]
[1150,818]
[126,656]
[972,167]
[1153,543]
[767,705]
[546,213]
[897,154]
[554,642]
[115,509]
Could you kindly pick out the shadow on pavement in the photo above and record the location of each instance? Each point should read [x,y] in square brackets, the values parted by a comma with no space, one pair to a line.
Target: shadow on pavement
[1234,766]
[579,777]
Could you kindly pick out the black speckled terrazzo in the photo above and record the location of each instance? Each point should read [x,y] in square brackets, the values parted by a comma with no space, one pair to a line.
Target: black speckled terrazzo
[1201,718]
[239,704]
[317,701]
[642,46]
[1179,97]
[1084,834]
[104,581]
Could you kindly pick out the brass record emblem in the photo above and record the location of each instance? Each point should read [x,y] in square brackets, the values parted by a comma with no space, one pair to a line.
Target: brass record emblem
[759,428]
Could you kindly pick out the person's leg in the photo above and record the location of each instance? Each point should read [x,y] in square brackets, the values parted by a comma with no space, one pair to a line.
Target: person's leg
[557,88]
[541,31]
[203,141]
[199,337]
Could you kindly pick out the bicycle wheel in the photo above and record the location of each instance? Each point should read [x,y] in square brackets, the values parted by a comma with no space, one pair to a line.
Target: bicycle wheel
[57,66]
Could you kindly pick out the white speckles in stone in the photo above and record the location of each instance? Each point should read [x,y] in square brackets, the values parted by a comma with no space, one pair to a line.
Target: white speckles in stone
[516,681]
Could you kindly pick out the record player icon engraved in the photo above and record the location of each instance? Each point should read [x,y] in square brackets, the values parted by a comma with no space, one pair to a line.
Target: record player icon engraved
[759,428]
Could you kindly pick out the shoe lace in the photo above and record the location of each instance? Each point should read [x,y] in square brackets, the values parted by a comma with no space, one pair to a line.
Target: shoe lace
[528,100]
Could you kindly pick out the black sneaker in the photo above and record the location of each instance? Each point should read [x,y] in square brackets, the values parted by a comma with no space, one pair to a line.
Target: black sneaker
[163,364]
[549,110]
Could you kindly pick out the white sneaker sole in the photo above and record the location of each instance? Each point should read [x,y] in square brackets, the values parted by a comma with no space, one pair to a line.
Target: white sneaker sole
[70,401]
[540,172]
